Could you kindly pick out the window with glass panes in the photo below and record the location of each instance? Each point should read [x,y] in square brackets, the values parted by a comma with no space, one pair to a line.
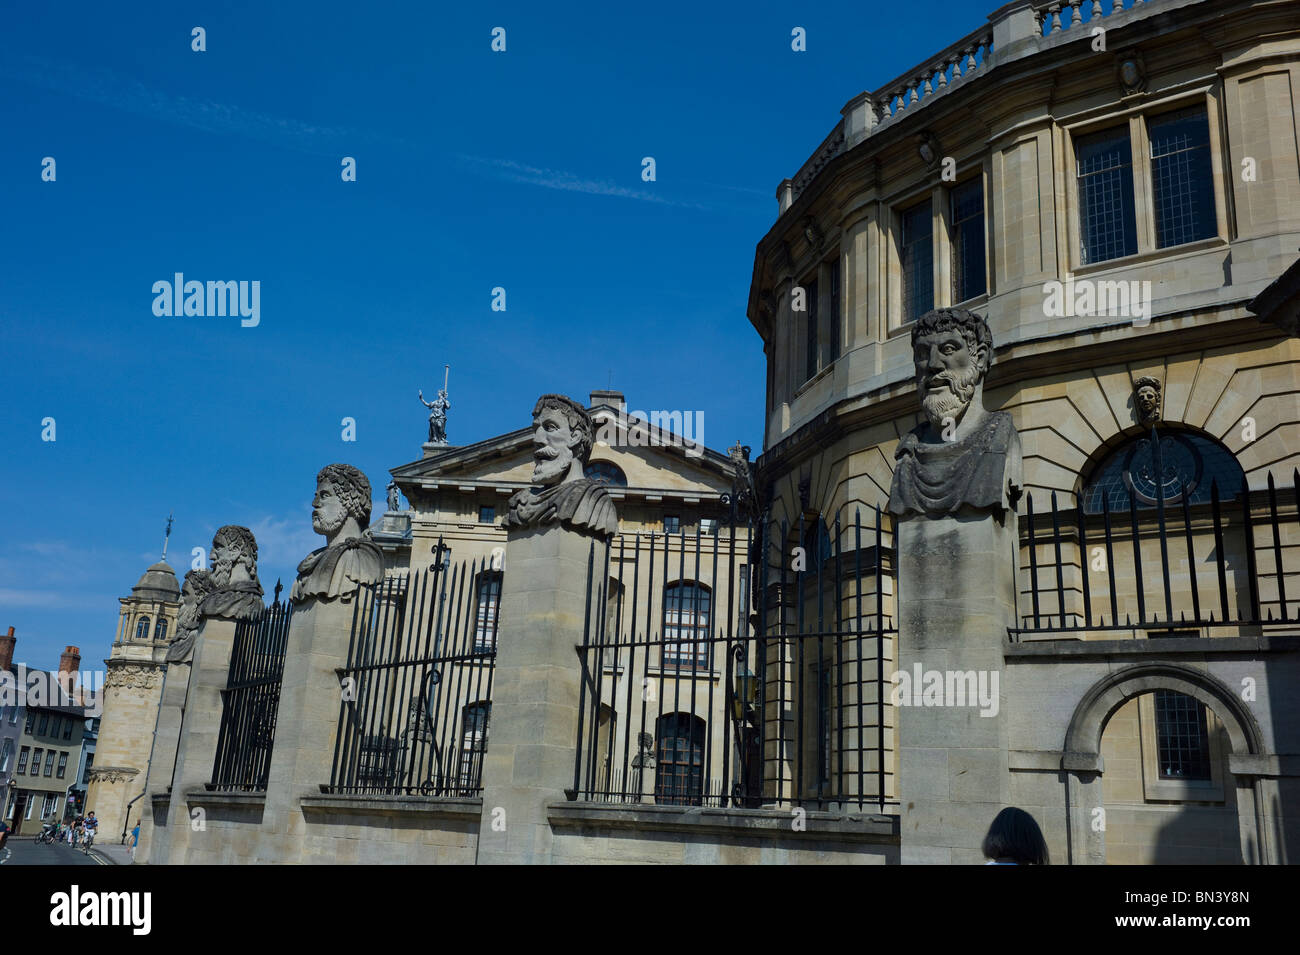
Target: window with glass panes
[63,764]
[837,310]
[489,601]
[142,628]
[1182,736]
[686,625]
[22,760]
[1107,215]
[810,350]
[6,755]
[474,734]
[160,631]
[1181,185]
[917,261]
[49,762]
[679,773]
[968,273]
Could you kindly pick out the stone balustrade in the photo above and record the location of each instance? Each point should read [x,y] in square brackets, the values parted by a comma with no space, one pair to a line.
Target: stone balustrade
[1017,29]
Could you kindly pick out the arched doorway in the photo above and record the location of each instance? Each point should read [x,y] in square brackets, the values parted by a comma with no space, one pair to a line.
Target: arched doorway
[1206,744]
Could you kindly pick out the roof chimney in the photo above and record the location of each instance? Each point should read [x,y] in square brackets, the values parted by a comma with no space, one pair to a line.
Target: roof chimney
[7,642]
[614,398]
[70,660]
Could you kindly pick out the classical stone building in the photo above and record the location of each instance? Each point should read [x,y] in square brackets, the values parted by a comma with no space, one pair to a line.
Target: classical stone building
[1118,196]
[1023,531]
[132,691]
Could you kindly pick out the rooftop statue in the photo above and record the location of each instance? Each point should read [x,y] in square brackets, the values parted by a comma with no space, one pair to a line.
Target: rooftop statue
[962,456]
[236,592]
[350,557]
[562,433]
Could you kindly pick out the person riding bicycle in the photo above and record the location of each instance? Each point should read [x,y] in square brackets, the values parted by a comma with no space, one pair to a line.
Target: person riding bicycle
[91,826]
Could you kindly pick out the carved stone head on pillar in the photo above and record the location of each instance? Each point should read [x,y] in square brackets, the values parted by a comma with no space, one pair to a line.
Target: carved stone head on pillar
[963,456]
[952,349]
[350,557]
[1146,400]
[563,433]
[236,592]
[197,585]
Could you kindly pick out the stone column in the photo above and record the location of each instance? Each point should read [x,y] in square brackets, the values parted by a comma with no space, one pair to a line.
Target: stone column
[956,585]
[196,749]
[162,763]
[306,724]
[532,735]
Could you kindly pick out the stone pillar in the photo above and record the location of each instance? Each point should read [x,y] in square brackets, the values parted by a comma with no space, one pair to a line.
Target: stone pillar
[196,750]
[956,583]
[532,735]
[306,724]
[162,762]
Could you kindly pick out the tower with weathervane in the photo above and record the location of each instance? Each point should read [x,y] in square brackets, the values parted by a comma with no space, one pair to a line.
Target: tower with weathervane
[147,624]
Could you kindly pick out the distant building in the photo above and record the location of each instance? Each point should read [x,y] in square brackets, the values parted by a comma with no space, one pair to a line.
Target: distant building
[118,756]
[45,773]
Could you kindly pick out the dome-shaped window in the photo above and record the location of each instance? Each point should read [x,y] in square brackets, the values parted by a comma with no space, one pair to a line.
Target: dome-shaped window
[606,472]
[160,631]
[1184,463]
[142,629]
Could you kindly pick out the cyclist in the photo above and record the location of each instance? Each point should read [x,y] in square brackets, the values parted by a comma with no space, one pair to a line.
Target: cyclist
[91,826]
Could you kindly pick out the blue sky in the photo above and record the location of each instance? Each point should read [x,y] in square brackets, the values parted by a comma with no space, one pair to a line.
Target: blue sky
[475,170]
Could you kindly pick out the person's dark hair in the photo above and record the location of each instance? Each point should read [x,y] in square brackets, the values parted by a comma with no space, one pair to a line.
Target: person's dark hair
[1014,836]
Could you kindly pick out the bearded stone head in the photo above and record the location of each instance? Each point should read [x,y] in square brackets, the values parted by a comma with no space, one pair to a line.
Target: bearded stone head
[952,349]
[1146,400]
[197,585]
[562,433]
[342,491]
[233,556]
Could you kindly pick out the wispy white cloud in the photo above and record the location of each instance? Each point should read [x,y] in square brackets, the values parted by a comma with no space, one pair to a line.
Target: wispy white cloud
[512,171]
[68,598]
[284,541]
[114,90]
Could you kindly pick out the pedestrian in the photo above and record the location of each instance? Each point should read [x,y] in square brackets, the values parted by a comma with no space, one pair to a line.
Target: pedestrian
[1015,839]
[135,837]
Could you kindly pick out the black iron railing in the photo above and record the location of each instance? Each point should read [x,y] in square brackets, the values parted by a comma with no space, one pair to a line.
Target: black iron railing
[1216,564]
[693,693]
[251,700]
[417,686]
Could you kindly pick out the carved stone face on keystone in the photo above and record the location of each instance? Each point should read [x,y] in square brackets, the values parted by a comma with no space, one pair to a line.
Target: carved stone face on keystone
[947,372]
[328,512]
[555,440]
[1148,401]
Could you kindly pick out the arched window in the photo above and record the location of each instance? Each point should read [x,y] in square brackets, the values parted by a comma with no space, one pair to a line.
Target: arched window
[142,629]
[160,631]
[473,744]
[679,775]
[606,472]
[686,625]
[487,609]
[1188,464]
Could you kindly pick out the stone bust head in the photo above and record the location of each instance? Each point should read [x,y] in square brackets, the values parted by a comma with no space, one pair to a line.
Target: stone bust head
[341,507]
[197,585]
[233,556]
[952,350]
[563,434]
[1146,400]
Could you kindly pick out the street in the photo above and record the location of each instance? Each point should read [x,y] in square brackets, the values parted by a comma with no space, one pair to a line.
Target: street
[23,850]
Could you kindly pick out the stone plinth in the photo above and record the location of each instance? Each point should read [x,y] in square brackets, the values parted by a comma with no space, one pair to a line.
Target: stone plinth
[307,722]
[956,581]
[162,761]
[196,749]
[534,725]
